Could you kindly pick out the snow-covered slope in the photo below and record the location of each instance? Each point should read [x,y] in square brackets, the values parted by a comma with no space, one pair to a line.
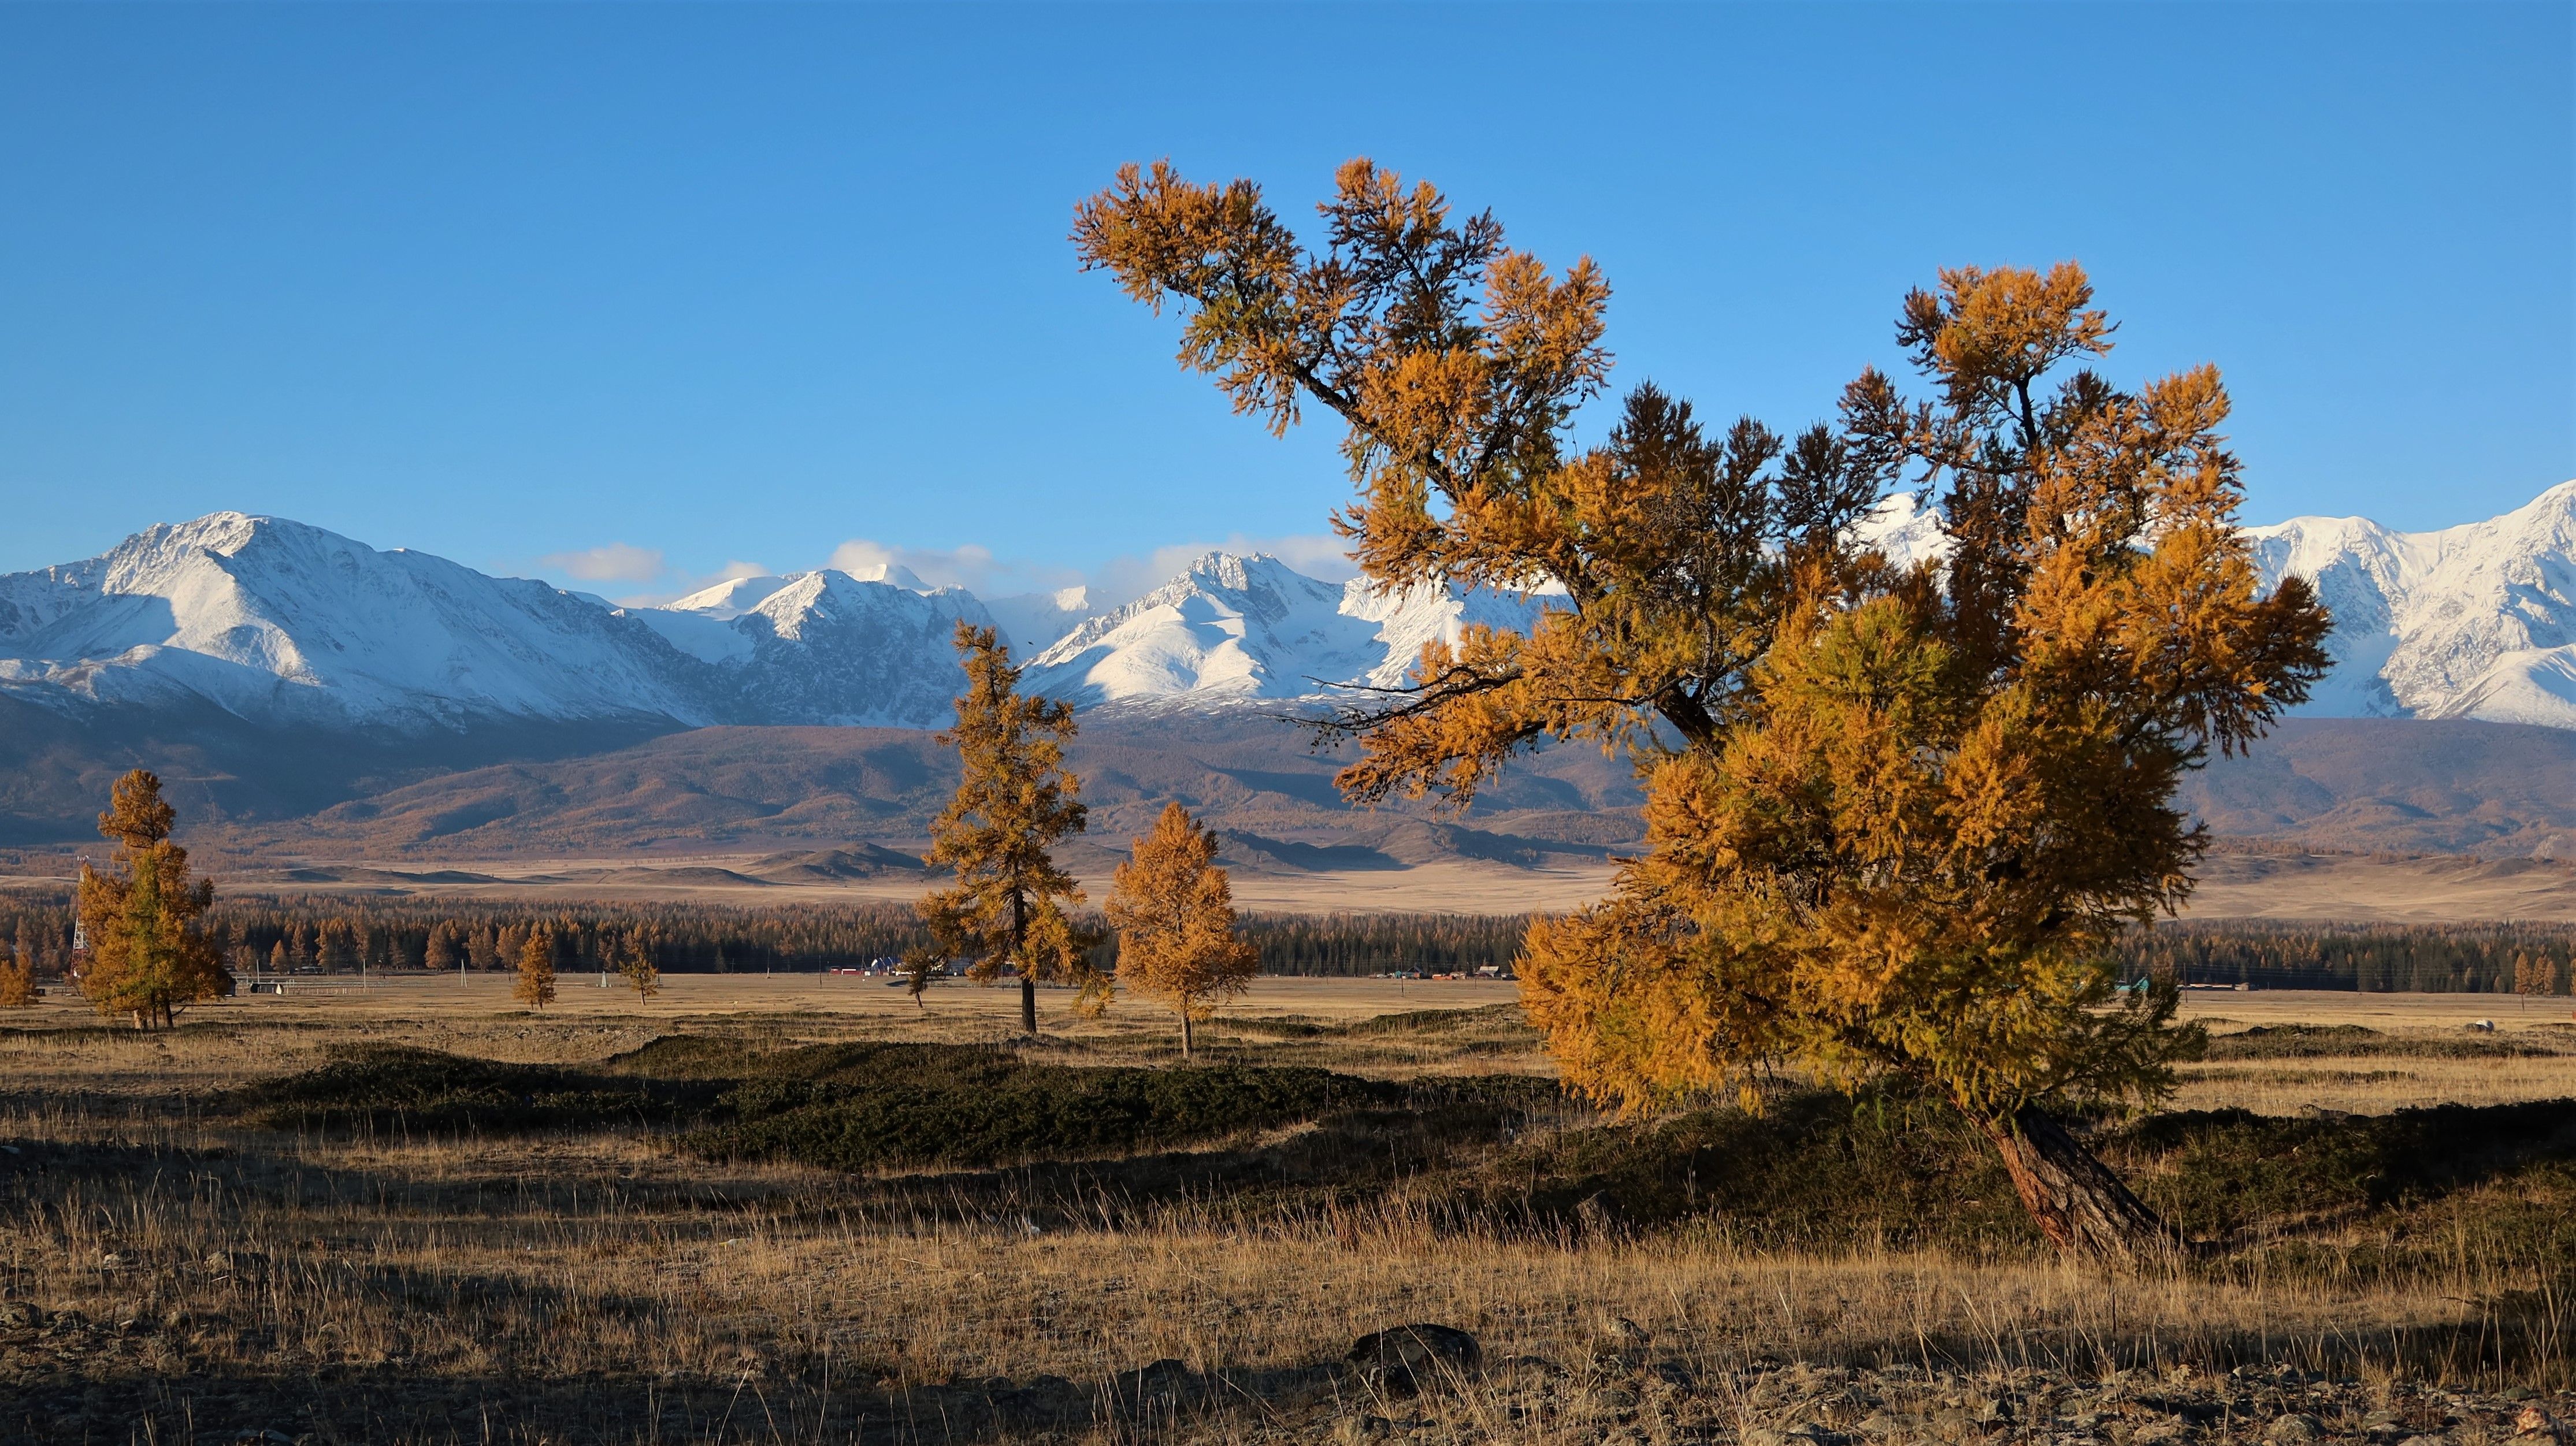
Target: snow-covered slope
[1031,621]
[829,648]
[1233,628]
[2477,621]
[274,620]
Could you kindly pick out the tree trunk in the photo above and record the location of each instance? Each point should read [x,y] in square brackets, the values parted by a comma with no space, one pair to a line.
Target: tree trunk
[1028,1006]
[2078,1203]
[1185,1034]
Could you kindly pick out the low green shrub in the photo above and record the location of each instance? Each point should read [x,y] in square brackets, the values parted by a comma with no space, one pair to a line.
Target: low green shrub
[1818,1171]
[2222,1172]
[399,1088]
[2319,1041]
[1813,1170]
[866,1107]
[1504,1020]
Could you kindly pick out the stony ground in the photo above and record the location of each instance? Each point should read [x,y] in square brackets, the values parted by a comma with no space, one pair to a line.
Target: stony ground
[76,1379]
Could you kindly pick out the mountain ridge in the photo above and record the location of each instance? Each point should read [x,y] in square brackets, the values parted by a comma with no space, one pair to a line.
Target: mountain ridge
[282,623]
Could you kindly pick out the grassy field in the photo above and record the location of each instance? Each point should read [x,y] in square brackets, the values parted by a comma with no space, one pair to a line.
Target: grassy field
[803,1209]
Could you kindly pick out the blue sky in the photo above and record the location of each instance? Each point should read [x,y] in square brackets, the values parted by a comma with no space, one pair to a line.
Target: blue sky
[730,284]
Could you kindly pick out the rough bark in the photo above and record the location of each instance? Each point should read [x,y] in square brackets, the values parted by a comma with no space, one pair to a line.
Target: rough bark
[1185,1032]
[1028,1005]
[2074,1198]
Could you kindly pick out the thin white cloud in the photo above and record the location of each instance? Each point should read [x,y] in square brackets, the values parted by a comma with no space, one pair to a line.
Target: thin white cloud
[678,585]
[971,567]
[614,562]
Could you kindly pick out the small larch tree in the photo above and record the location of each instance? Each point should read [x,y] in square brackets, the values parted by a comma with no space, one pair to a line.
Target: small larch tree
[536,984]
[1173,909]
[638,968]
[1014,802]
[918,968]
[1897,810]
[147,957]
[18,979]
[2534,975]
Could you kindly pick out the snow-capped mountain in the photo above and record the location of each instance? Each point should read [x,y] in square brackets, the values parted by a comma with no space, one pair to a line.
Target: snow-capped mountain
[1233,628]
[276,621]
[2477,621]
[830,648]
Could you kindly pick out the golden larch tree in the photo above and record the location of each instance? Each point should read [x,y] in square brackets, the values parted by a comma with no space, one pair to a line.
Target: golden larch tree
[1897,810]
[18,979]
[1014,802]
[536,984]
[2535,974]
[638,967]
[1173,909]
[147,957]
[917,969]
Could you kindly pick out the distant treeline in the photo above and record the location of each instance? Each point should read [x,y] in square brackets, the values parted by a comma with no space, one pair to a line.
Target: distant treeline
[342,936]
[345,935]
[2373,958]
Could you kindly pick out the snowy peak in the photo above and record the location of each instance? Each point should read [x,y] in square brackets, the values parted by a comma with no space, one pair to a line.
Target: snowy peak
[729,599]
[2476,621]
[1409,617]
[892,573]
[268,618]
[831,648]
[1238,627]
[1904,530]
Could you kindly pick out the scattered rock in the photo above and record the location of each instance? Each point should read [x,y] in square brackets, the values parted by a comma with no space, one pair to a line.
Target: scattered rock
[1165,1380]
[1410,1357]
[1806,1433]
[2296,1429]
[1621,1345]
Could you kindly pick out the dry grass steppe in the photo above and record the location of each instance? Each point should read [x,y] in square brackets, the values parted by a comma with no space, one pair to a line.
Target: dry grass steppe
[197,1245]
